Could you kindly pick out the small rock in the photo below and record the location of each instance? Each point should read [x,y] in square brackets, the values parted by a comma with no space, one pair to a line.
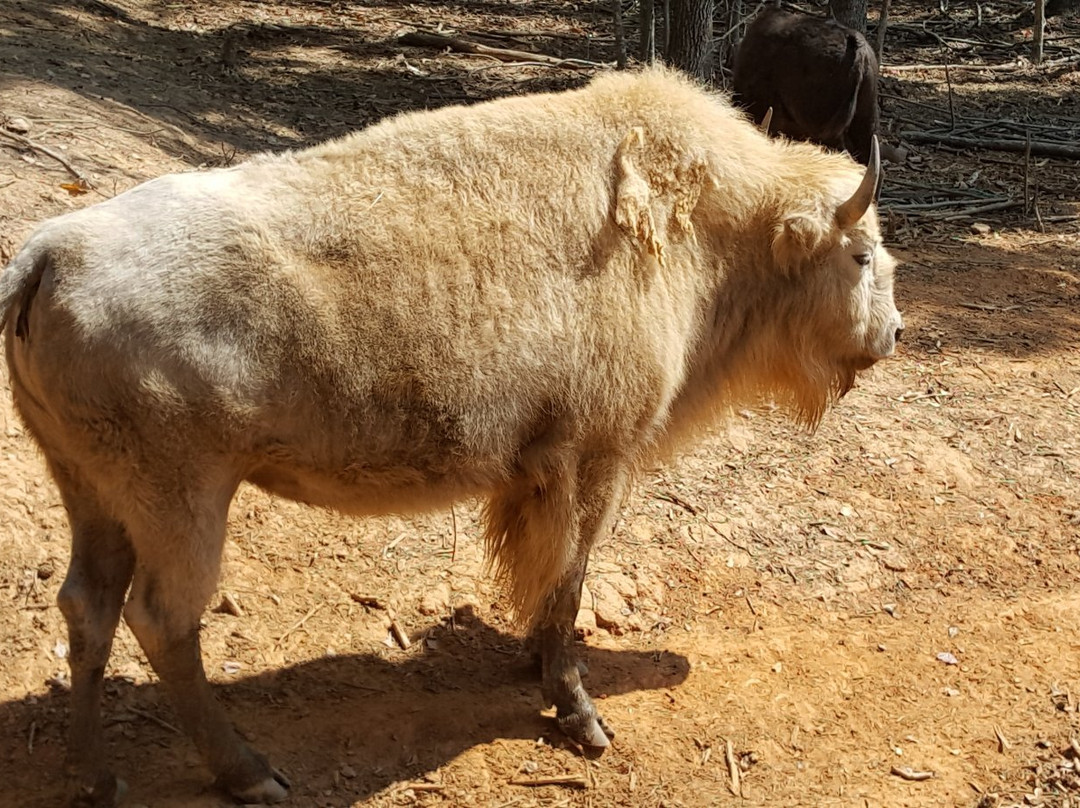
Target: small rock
[45,571]
[609,607]
[231,668]
[229,605]
[586,621]
[348,772]
[624,585]
[19,126]
[436,600]
[60,649]
[981,229]
[649,588]
[947,658]
[894,561]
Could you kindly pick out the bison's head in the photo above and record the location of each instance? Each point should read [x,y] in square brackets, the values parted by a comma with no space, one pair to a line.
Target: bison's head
[840,317]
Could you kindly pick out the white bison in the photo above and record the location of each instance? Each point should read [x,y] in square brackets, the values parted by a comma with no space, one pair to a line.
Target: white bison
[522,300]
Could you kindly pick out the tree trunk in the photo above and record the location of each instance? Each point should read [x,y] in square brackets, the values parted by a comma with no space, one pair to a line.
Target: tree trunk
[647,33]
[620,35]
[883,24]
[1037,32]
[690,46]
[851,13]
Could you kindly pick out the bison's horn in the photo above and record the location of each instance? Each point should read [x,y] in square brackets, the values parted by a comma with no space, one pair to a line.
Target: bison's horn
[851,211]
[764,125]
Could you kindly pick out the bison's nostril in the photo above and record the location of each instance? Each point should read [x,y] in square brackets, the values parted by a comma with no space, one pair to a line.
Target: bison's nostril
[899,333]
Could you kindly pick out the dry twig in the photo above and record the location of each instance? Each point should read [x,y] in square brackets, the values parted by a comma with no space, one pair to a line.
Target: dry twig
[298,623]
[1003,743]
[161,722]
[399,634]
[571,780]
[28,143]
[733,770]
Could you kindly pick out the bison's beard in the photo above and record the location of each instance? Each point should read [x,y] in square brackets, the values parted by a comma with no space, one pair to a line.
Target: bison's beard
[812,393]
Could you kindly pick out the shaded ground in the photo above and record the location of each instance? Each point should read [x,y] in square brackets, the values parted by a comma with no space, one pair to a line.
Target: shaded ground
[786,593]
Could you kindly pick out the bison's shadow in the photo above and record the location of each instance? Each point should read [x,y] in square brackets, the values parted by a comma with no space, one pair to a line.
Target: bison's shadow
[377,720]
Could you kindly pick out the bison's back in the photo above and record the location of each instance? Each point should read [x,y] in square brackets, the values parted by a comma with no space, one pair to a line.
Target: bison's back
[418,302]
[816,74]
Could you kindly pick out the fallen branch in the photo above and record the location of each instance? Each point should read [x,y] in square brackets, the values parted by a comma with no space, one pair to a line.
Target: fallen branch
[503,33]
[920,66]
[426,40]
[1040,148]
[1065,60]
[908,773]
[945,203]
[979,209]
[572,780]
[28,143]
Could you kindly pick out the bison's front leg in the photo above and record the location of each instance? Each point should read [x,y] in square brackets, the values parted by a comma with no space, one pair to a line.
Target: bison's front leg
[575,711]
[599,487]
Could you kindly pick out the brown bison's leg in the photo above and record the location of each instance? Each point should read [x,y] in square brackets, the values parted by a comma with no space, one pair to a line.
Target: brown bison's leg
[175,575]
[90,600]
[562,686]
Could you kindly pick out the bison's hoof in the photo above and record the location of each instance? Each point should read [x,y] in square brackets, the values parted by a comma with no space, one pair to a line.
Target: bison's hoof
[267,791]
[587,730]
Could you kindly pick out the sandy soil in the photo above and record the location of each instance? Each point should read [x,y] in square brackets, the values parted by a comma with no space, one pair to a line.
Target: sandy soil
[813,611]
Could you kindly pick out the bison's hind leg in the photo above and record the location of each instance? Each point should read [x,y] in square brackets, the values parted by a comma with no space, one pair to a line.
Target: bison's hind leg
[92,595]
[178,538]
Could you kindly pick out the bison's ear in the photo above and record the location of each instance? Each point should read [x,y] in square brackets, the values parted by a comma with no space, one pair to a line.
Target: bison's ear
[633,195]
[797,238]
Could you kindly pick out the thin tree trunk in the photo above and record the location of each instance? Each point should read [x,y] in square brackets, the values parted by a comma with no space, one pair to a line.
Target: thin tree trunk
[648,31]
[851,13]
[667,25]
[1037,34]
[883,23]
[691,43]
[620,38]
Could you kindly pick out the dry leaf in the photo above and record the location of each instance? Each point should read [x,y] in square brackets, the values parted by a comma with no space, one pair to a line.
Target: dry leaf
[77,188]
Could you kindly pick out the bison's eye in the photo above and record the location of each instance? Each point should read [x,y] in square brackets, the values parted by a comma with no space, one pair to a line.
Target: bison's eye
[864,259]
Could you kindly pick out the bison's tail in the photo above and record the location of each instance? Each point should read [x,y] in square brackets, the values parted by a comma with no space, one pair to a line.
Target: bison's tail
[851,73]
[19,283]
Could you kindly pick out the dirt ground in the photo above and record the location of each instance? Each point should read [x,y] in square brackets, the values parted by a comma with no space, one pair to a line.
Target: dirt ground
[895,593]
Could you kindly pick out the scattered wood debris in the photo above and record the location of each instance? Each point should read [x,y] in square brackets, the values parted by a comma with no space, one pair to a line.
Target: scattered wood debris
[908,773]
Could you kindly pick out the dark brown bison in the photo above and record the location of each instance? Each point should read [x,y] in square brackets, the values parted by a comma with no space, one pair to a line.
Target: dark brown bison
[525,300]
[819,77]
